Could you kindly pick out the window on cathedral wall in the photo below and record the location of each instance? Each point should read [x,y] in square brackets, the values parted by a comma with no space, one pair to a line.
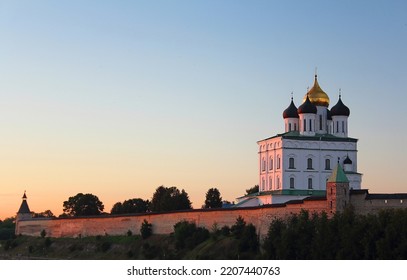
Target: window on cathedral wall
[295,126]
[291,163]
[343,126]
[310,183]
[289,127]
[309,163]
[305,125]
[278,162]
[271,163]
[292,183]
[310,125]
[263,163]
[337,126]
[270,183]
[327,164]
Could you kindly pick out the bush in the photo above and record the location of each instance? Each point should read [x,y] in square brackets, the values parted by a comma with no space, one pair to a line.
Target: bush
[225,230]
[105,246]
[248,241]
[47,242]
[146,229]
[238,228]
[43,233]
[129,233]
[6,233]
[187,235]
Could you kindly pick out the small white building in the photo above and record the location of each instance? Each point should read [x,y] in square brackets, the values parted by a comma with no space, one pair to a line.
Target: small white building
[297,163]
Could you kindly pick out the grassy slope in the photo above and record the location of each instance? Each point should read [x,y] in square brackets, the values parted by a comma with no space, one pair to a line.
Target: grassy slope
[116,248]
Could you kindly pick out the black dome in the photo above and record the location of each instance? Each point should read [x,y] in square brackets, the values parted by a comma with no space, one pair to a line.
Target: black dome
[340,109]
[347,160]
[307,107]
[291,111]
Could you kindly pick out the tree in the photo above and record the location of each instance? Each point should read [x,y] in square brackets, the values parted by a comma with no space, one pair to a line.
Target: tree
[135,205]
[45,214]
[213,199]
[83,205]
[146,229]
[255,189]
[169,199]
[7,228]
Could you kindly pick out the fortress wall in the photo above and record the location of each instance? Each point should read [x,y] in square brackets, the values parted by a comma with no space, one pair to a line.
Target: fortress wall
[163,223]
[366,206]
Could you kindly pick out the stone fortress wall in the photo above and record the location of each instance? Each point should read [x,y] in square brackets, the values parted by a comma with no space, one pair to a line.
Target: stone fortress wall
[163,223]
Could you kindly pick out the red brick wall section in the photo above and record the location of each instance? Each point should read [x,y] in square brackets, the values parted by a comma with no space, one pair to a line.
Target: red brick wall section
[163,223]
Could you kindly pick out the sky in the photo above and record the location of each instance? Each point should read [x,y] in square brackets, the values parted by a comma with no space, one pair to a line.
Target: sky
[117,98]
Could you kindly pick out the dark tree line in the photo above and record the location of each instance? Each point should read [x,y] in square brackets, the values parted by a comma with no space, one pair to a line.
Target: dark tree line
[345,236]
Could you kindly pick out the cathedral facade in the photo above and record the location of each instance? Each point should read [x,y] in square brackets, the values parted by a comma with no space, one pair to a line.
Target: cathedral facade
[298,162]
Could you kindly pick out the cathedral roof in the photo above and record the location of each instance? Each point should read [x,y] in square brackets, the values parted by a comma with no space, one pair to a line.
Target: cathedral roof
[307,107]
[340,109]
[291,111]
[338,175]
[295,135]
[316,95]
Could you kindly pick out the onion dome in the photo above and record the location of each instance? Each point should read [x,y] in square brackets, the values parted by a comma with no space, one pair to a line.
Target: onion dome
[291,111]
[347,160]
[307,107]
[328,115]
[316,95]
[340,109]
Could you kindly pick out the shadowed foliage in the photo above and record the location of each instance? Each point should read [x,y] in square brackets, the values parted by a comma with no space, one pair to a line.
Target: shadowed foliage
[169,199]
[83,205]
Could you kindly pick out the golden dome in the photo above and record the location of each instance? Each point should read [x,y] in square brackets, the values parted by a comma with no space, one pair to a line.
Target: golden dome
[316,95]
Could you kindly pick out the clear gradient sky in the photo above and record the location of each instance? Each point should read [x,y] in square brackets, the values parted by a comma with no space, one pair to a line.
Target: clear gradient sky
[116,98]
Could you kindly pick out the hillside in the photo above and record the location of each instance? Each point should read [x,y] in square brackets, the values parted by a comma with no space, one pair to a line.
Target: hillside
[117,248]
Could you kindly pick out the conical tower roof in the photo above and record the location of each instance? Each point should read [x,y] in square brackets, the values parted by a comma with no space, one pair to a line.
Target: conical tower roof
[24,209]
[338,175]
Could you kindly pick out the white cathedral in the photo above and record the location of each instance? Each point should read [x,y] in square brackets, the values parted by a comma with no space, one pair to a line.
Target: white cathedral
[297,163]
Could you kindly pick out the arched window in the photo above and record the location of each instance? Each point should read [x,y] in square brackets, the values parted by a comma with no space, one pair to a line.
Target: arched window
[263,165]
[343,126]
[271,163]
[295,126]
[310,125]
[270,183]
[278,162]
[337,126]
[289,127]
[309,163]
[292,183]
[291,163]
[327,164]
[305,125]
[310,183]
